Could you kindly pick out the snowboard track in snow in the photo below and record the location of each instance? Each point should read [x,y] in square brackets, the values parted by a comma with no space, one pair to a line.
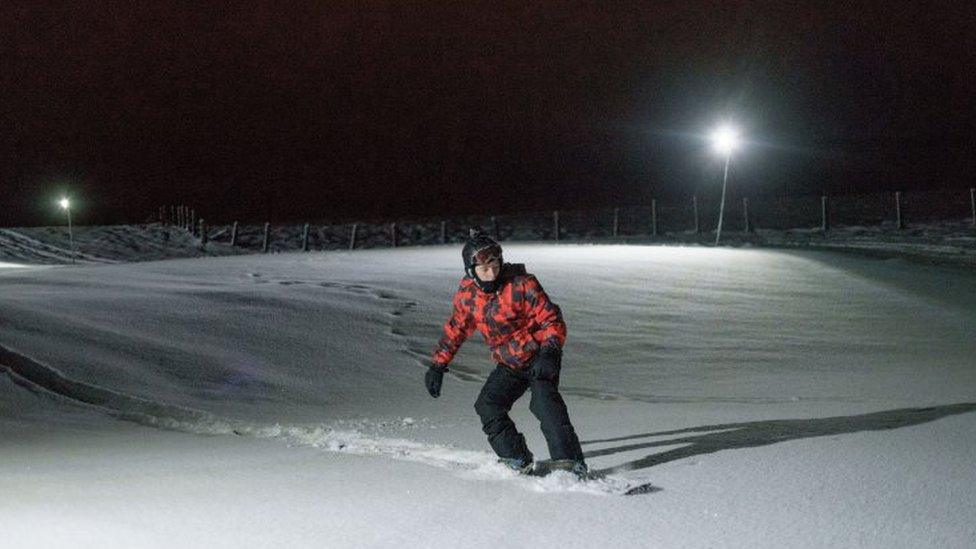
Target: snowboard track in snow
[47,381]
[410,346]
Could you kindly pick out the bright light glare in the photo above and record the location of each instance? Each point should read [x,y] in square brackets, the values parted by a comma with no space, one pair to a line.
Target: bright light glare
[64,203]
[725,139]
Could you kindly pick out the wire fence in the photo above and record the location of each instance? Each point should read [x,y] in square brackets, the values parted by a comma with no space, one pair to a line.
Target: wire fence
[663,220]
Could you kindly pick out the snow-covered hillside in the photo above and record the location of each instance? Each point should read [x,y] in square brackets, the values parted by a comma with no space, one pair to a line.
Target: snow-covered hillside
[763,398]
[946,242]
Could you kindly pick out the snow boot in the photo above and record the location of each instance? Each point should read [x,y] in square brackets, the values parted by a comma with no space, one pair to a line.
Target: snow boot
[519,465]
[576,466]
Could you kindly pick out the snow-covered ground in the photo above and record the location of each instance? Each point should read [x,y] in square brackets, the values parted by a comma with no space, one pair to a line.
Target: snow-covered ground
[758,397]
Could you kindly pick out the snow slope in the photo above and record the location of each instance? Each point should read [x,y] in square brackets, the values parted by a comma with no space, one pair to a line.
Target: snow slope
[102,244]
[775,398]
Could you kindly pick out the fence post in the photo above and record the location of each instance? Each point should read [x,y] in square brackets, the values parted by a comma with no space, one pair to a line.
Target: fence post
[694,203]
[267,237]
[616,221]
[443,232]
[824,213]
[555,223]
[203,234]
[233,235]
[193,222]
[972,202]
[653,217]
[352,237]
[745,215]
[900,223]
[393,234]
[179,216]
[494,227]
[824,217]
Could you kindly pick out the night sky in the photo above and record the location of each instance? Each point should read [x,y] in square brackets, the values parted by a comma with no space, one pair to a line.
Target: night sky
[332,110]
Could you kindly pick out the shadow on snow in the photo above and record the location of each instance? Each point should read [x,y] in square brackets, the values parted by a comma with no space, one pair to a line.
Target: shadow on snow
[762,433]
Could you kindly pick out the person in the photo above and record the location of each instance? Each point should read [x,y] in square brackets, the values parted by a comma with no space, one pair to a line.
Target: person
[525,332]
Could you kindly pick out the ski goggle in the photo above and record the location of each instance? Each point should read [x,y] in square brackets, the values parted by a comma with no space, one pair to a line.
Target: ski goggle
[487,255]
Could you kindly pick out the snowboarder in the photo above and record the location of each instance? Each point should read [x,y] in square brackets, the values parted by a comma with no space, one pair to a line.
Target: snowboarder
[525,332]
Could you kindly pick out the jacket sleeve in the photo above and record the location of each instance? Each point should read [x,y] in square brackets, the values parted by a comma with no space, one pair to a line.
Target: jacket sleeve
[457,329]
[546,317]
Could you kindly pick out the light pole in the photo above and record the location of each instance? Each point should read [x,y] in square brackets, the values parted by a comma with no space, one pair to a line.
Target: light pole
[66,206]
[724,140]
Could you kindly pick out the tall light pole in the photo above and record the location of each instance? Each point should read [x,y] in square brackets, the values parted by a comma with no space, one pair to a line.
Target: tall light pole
[725,139]
[66,206]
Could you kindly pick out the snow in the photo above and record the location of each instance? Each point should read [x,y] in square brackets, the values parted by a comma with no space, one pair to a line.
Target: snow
[944,242]
[768,398]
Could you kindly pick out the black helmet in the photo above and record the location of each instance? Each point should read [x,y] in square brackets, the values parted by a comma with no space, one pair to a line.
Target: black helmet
[480,248]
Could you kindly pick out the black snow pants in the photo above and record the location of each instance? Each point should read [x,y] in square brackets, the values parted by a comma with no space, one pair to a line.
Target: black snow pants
[502,388]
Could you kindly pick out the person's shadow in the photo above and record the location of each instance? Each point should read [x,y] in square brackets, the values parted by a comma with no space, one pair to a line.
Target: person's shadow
[715,438]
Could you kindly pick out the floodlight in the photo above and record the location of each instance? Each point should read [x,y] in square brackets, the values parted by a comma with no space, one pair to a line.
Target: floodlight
[725,139]
[66,206]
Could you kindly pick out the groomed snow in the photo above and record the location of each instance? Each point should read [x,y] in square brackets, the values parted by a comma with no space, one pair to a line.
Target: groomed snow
[766,398]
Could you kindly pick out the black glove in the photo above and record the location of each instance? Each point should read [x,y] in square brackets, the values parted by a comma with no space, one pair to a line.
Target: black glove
[547,363]
[434,378]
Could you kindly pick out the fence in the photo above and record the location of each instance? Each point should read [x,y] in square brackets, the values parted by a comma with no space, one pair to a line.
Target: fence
[664,220]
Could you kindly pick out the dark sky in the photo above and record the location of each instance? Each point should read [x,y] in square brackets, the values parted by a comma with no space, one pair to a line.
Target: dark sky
[329,109]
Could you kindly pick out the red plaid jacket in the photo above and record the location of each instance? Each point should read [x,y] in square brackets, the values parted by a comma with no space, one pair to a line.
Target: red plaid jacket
[515,321]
